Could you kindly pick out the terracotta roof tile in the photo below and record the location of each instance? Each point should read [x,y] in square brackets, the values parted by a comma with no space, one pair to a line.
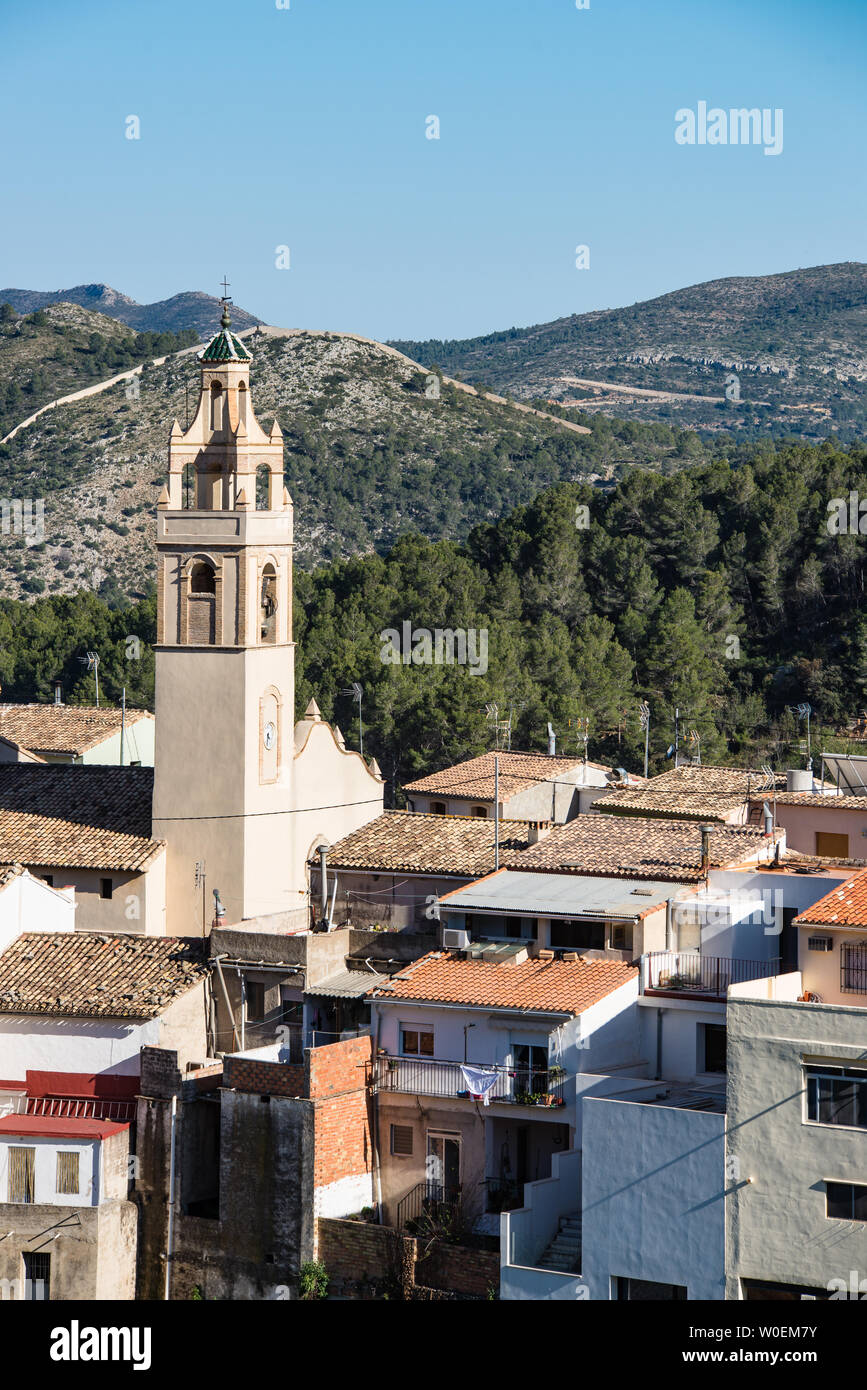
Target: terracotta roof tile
[632,847]
[419,842]
[87,817]
[702,793]
[844,906]
[89,974]
[475,777]
[538,986]
[62,728]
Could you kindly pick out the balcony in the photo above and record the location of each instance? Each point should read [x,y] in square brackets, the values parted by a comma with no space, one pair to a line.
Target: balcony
[691,975]
[425,1076]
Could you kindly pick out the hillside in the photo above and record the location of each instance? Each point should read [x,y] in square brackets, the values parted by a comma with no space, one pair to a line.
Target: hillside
[797,342]
[368,457]
[716,590]
[65,348]
[188,310]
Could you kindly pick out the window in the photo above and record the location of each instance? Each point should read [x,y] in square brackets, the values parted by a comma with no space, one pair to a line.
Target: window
[832,846]
[438,808]
[621,936]
[714,1047]
[37,1275]
[414,1043]
[401,1140]
[643,1290]
[837,1096]
[480,811]
[571,936]
[853,967]
[105,887]
[846,1201]
[531,1067]
[22,1175]
[67,1173]
[255,1000]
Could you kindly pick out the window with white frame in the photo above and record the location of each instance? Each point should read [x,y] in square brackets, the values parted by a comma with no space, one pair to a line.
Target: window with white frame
[837,1095]
[846,1201]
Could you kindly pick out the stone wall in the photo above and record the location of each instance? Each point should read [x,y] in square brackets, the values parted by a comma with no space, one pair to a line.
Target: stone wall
[364,1261]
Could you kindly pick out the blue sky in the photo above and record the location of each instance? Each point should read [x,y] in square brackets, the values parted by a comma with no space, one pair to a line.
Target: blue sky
[264,127]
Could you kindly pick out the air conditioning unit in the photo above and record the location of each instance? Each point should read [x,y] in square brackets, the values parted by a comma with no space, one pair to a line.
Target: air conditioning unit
[820,943]
[455,939]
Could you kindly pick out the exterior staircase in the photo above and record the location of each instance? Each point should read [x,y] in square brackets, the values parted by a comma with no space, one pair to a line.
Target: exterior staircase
[564,1252]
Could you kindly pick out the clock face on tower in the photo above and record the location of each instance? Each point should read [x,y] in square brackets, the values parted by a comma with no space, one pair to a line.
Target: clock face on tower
[269,735]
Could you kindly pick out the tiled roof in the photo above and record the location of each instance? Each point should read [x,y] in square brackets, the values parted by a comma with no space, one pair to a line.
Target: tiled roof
[828,803]
[225,347]
[844,906]
[475,777]
[631,847]
[56,1127]
[419,842]
[703,793]
[538,986]
[62,728]
[89,974]
[84,817]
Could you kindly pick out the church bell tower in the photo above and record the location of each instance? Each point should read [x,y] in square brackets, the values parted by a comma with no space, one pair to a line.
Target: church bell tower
[225,680]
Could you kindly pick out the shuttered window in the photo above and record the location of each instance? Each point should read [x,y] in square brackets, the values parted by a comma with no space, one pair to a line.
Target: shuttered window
[401,1140]
[67,1173]
[22,1175]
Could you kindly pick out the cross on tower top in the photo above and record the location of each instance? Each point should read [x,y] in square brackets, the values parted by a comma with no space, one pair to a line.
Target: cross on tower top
[225,283]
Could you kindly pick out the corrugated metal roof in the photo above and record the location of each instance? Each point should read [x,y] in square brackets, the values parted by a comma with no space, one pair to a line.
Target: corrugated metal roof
[346,984]
[559,895]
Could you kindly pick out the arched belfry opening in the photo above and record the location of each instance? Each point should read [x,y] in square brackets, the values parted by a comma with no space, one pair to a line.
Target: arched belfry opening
[268,605]
[201,604]
[216,405]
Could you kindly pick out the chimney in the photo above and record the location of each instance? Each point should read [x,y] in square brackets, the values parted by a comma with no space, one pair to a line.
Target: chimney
[58,693]
[552,742]
[538,830]
[323,881]
[706,832]
[768,818]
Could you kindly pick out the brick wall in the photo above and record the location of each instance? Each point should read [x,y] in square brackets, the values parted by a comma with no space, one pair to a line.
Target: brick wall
[337,1083]
[359,1253]
[263,1078]
[160,1076]
[460,1269]
[339,1067]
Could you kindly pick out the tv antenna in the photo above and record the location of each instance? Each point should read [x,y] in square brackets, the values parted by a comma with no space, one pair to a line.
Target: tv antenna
[804,711]
[91,662]
[355,692]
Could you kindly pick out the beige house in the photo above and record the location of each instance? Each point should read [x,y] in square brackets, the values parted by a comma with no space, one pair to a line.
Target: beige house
[241,794]
[832,946]
[88,828]
[76,734]
[531,786]
[825,825]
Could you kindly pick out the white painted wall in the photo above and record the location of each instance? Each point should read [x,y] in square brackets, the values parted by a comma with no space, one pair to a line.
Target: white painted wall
[92,1045]
[778,1229]
[653,1197]
[47,1150]
[28,904]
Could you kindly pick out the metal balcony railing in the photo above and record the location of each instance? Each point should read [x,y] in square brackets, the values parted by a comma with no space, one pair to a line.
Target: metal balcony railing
[426,1076]
[429,1203]
[691,973]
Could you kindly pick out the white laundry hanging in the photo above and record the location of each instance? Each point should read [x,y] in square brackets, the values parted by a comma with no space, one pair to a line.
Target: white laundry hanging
[479,1082]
